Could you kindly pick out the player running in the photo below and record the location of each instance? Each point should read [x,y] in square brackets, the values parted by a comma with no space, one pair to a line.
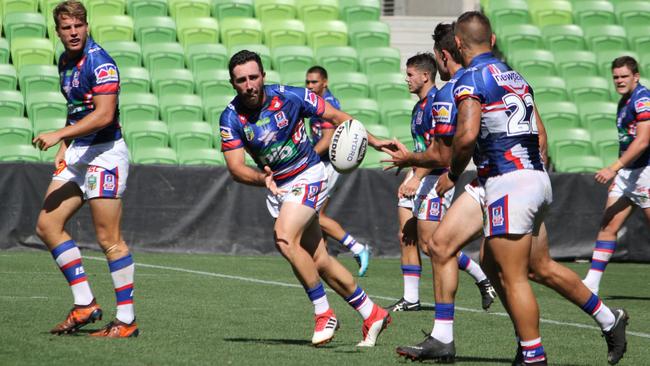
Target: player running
[267,122]
[464,222]
[418,200]
[92,165]
[631,172]
[321,135]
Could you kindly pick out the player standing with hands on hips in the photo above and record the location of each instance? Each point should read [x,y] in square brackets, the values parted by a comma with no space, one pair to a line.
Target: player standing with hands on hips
[92,165]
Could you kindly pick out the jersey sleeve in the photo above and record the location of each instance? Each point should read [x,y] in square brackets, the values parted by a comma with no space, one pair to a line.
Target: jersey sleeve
[104,77]
[327,125]
[230,131]
[311,105]
[468,87]
[444,114]
[642,107]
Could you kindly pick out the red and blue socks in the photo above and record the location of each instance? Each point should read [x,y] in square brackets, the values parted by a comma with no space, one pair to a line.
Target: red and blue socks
[122,272]
[318,297]
[361,302]
[600,312]
[351,243]
[465,263]
[443,326]
[68,258]
[533,351]
[602,253]
[411,274]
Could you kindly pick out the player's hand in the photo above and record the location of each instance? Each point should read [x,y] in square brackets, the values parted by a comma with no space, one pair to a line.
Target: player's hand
[443,185]
[270,183]
[410,187]
[605,175]
[380,145]
[46,140]
[399,156]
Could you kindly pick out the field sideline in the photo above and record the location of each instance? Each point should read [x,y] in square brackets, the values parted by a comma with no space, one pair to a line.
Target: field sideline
[218,310]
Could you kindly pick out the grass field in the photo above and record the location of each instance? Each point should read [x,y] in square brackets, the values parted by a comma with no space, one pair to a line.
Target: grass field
[223,310]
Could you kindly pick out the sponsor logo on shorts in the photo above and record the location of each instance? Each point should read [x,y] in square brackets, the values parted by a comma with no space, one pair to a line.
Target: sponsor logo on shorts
[106,73]
[61,167]
[281,120]
[297,190]
[92,182]
[497,216]
[434,210]
[109,182]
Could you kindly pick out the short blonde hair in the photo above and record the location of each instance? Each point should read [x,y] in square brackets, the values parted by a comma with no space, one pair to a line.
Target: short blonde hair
[71,8]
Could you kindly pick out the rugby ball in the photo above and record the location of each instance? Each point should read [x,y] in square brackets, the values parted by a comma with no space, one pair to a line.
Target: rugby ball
[348,146]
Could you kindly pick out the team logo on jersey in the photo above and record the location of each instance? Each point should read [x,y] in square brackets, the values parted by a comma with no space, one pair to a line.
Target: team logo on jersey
[642,105]
[442,112]
[509,79]
[249,133]
[311,98]
[275,105]
[226,133]
[497,216]
[75,79]
[109,182]
[281,120]
[418,117]
[106,73]
[463,90]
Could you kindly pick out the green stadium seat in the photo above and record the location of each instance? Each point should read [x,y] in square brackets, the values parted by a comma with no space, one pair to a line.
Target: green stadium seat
[377,130]
[136,107]
[23,152]
[533,63]
[507,12]
[519,37]
[317,9]
[359,10]
[39,78]
[232,9]
[4,51]
[384,87]
[559,115]
[146,134]
[633,13]
[190,134]
[172,81]
[47,6]
[8,77]
[348,85]
[644,65]
[373,158]
[189,8]
[569,142]
[15,131]
[396,111]
[548,89]
[213,106]
[284,32]
[18,6]
[364,34]
[134,80]
[598,116]
[275,9]
[550,12]
[295,78]
[48,125]
[379,60]
[238,31]
[603,137]
[112,28]
[326,33]
[588,89]
[338,58]
[593,13]
[213,82]
[58,51]
[580,164]
[200,156]
[30,25]
[31,51]
[292,58]
[639,37]
[402,132]
[155,155]
[125,53]
[564,37]
[605,59]
[260,49]
[164,55]
[200,57]
[146,8]
[576,63]
[198,30]
[11,104]
[181,107]
[608,152]
[363,109]
[46,105]
[606,37]
[96,8]
[155,29]
[271,77]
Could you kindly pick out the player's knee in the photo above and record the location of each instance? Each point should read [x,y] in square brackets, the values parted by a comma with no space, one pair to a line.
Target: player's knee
[45,229]
[426,245]
[439,247]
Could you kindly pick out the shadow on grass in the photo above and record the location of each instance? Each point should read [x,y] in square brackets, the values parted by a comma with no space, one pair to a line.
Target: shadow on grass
[615,297]
[273,341]
[481,360]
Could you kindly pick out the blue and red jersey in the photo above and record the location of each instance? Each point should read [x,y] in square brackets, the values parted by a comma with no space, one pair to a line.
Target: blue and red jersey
[423,124]
[508,139]
[632,110]
[317,124]
[93,73]
[275,135]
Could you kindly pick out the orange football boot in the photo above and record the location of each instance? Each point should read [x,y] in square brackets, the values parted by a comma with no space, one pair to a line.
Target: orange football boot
[78,317]
[117,329]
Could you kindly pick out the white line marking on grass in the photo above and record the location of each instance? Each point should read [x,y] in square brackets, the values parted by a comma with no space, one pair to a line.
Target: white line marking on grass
[293,285]
[23,297]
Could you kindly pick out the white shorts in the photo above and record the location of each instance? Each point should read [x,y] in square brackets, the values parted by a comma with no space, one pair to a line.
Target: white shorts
[404,201]
[309,188]
[633,184]
[476,191]
[99,170]
[428,206]
[332,177]
[515,202]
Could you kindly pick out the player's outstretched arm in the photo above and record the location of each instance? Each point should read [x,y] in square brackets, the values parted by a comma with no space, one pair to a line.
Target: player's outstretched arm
[437,155]
[102,116]
[236,163]
[636,148]
[337,117]
[323,144]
